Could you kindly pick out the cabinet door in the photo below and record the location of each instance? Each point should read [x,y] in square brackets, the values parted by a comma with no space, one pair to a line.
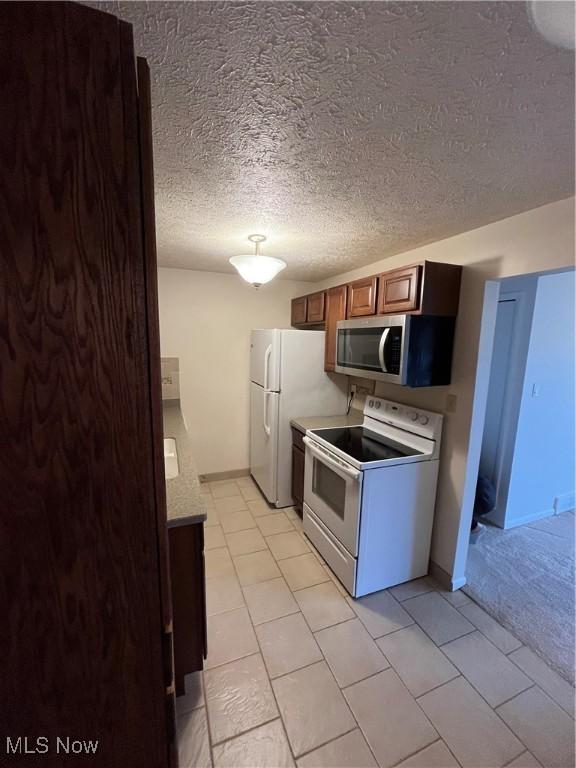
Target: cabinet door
[79,507]
[315,308]
[297,476]
[299,309]
[399,290]
[188,599]
[335,311]
[362,297]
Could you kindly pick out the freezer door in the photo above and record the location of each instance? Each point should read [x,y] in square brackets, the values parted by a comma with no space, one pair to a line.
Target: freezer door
[265,358]
[264,440]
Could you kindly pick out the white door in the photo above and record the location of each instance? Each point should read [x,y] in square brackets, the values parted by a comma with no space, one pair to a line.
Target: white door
[264,408]
[265,358]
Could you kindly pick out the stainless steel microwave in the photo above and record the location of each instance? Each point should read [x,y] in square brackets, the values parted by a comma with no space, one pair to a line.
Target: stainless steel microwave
[411,350]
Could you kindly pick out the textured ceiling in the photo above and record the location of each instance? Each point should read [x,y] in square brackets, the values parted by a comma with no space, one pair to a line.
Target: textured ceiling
[347,132]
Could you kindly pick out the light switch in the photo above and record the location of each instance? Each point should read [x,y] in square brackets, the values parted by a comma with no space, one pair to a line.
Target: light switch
[535,390]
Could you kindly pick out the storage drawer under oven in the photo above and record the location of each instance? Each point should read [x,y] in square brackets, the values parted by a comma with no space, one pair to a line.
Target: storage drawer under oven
[338,558]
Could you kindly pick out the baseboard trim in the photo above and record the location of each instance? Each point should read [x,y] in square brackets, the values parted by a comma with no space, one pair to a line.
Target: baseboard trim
[211,477]
[531,518]
[445,579]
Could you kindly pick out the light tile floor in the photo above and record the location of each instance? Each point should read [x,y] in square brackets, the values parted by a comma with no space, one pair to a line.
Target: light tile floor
[300,674]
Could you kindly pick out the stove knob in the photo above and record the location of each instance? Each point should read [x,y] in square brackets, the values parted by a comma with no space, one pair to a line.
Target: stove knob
[424,420]
[377,404]
[413,416]
[371,403]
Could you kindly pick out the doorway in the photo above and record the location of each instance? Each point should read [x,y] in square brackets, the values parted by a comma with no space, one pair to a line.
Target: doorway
[520,568]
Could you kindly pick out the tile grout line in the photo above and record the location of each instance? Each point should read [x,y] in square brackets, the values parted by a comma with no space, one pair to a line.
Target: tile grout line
[423,749]
[279,711]
[325,743]
[272,689]
[439,647]
[248,730]
[259,653]
[492,709]
[462,674]
[570,714]
[208,732]
[341,689]
[323,660]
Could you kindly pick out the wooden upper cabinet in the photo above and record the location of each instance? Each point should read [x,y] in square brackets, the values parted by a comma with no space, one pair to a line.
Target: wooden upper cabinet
[308,310]
[362,297]
[440,294]
[315,308]
[299,309]
[399,290]
[335,311]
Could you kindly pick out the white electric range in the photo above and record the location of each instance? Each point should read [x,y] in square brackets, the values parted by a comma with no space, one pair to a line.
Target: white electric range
[369,495]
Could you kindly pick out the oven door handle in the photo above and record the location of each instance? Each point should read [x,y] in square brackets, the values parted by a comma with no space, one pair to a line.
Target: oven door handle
[325,458]
[381,349]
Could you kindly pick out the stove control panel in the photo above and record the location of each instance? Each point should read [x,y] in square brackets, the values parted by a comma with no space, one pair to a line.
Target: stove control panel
[425,423]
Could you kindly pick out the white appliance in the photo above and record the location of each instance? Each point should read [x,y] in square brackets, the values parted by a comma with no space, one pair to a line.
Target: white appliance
[411,350]
[369,494]
[287,379]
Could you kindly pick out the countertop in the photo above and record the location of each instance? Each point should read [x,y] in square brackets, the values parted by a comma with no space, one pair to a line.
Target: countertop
[303,423]
[184,500]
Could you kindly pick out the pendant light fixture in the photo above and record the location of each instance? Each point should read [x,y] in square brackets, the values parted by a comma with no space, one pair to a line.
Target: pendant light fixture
[254,268]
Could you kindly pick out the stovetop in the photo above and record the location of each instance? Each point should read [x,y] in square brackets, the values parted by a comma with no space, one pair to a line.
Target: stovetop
[363,445]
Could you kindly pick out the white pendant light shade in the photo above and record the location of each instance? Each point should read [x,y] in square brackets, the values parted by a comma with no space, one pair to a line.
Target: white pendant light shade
[256,269]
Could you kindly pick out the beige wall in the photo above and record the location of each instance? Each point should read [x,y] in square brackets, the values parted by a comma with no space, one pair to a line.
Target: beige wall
[206,317]
[205,320]
[538,240]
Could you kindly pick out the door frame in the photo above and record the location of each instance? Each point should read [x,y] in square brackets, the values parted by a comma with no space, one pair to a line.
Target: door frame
[515,377]
[492,289]
[482,382]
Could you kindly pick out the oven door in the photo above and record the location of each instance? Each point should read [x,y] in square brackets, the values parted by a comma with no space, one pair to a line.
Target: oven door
[373,348]
[333,490]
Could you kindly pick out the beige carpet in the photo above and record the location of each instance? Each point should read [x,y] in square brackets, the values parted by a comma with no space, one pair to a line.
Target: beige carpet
[524,577]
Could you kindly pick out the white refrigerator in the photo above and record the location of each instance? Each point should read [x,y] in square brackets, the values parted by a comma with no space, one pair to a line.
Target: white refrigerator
[287,379]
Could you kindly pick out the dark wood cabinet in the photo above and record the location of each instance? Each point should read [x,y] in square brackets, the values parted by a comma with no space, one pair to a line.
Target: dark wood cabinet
[399,290]
[188,599]
[335,311]
[429,288]
[308,310]
[440,289]
[362,297]
[299,310]
[298,462]
[87,647]
[315,308]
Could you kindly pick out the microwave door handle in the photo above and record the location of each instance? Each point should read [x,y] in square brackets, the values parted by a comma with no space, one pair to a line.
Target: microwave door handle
[381,349]
[325,459]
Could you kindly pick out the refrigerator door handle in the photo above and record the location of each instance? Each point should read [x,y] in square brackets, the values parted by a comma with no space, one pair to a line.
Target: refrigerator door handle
[264,423]
[267,365]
